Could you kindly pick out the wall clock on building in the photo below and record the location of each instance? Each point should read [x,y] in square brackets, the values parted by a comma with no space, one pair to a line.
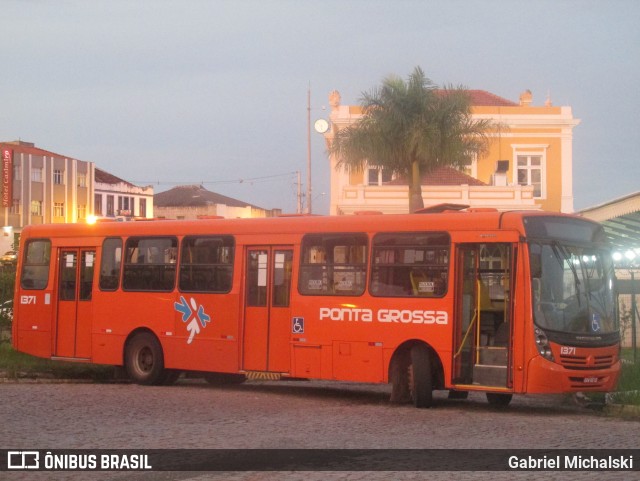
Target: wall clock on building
[321,126]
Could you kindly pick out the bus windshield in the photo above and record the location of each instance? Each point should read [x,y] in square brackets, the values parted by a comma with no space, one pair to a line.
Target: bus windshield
[573,288]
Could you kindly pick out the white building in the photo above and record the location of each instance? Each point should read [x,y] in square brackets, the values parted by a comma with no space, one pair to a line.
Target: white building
[115,197]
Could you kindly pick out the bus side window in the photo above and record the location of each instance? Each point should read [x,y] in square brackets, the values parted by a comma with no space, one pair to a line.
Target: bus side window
[206,264]
[149,264]
[35,269]
[110,264]
[333,264]
[410,264]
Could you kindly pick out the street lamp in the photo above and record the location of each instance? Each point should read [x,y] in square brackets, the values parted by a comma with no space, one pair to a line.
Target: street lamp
[309,150]
[321,126]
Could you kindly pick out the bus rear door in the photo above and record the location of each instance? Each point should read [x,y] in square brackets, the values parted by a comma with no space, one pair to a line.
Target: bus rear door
[483,354]
[74,310]
[267,321]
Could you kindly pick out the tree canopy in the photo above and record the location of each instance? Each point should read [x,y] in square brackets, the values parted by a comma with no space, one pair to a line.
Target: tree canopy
[410,128]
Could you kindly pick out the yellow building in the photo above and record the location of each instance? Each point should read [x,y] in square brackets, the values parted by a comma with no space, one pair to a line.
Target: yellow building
[529,163]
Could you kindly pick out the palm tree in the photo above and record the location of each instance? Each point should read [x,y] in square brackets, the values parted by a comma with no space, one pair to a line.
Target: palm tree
[411,128]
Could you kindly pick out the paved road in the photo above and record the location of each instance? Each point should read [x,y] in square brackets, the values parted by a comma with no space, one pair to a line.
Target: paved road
[288,415]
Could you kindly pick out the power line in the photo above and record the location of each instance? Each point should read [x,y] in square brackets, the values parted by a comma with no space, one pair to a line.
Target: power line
[252,180]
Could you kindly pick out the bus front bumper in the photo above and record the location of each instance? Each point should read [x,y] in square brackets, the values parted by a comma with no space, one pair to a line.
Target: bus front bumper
[548,377]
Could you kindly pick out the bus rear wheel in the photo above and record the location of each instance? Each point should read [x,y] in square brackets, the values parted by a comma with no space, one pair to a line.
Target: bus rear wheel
[420,378]
[144,360]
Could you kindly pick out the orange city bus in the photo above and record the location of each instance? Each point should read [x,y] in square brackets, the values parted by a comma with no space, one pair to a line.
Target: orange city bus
[476,300]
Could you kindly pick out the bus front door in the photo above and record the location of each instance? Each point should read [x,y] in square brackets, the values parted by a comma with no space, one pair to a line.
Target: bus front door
[483,321]
[74,312]
[267,320]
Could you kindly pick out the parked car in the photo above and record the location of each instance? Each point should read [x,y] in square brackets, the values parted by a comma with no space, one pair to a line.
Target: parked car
[9,258]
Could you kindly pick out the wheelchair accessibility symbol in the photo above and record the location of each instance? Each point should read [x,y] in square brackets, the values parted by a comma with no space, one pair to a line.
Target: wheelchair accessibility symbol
[297,326]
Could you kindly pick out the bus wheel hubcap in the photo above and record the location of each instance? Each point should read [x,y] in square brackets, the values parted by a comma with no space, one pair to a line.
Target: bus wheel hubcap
[145,359]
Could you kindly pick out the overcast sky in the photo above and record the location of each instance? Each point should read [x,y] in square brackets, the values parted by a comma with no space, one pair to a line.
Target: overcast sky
[215,92]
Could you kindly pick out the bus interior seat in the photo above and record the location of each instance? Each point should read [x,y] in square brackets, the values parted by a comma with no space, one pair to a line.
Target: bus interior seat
[417,277]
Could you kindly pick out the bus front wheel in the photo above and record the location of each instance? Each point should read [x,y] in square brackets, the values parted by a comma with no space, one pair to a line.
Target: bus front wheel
[420,377]
[144,360]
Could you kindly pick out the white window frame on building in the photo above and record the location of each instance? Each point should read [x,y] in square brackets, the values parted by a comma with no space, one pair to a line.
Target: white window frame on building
[82,180]
[58,209]
[58,177]
[110,206]
[377,176]
[17,171]
[82,211]
[97,204]
[529,159]
[36,174]
[36,207]
[16,206]
[126,205]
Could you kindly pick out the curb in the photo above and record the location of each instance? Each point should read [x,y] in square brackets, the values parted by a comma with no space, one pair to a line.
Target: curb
[622,410]
[17,380]
[614,407]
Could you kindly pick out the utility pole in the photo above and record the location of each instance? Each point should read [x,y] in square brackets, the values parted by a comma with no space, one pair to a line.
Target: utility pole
[308,209]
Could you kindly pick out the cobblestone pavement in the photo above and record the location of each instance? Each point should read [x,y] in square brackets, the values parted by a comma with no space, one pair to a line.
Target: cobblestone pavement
[288,415]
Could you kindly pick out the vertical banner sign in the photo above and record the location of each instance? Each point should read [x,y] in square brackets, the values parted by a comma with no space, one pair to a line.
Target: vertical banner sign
[7,161]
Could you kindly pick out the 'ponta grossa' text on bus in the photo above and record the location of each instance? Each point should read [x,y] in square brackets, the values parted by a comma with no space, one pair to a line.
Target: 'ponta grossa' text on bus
[403,316]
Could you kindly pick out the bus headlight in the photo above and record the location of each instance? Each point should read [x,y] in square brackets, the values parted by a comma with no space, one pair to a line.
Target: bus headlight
[542,343]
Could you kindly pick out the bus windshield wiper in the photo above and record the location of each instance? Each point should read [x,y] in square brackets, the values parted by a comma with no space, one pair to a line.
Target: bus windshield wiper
[563,255]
